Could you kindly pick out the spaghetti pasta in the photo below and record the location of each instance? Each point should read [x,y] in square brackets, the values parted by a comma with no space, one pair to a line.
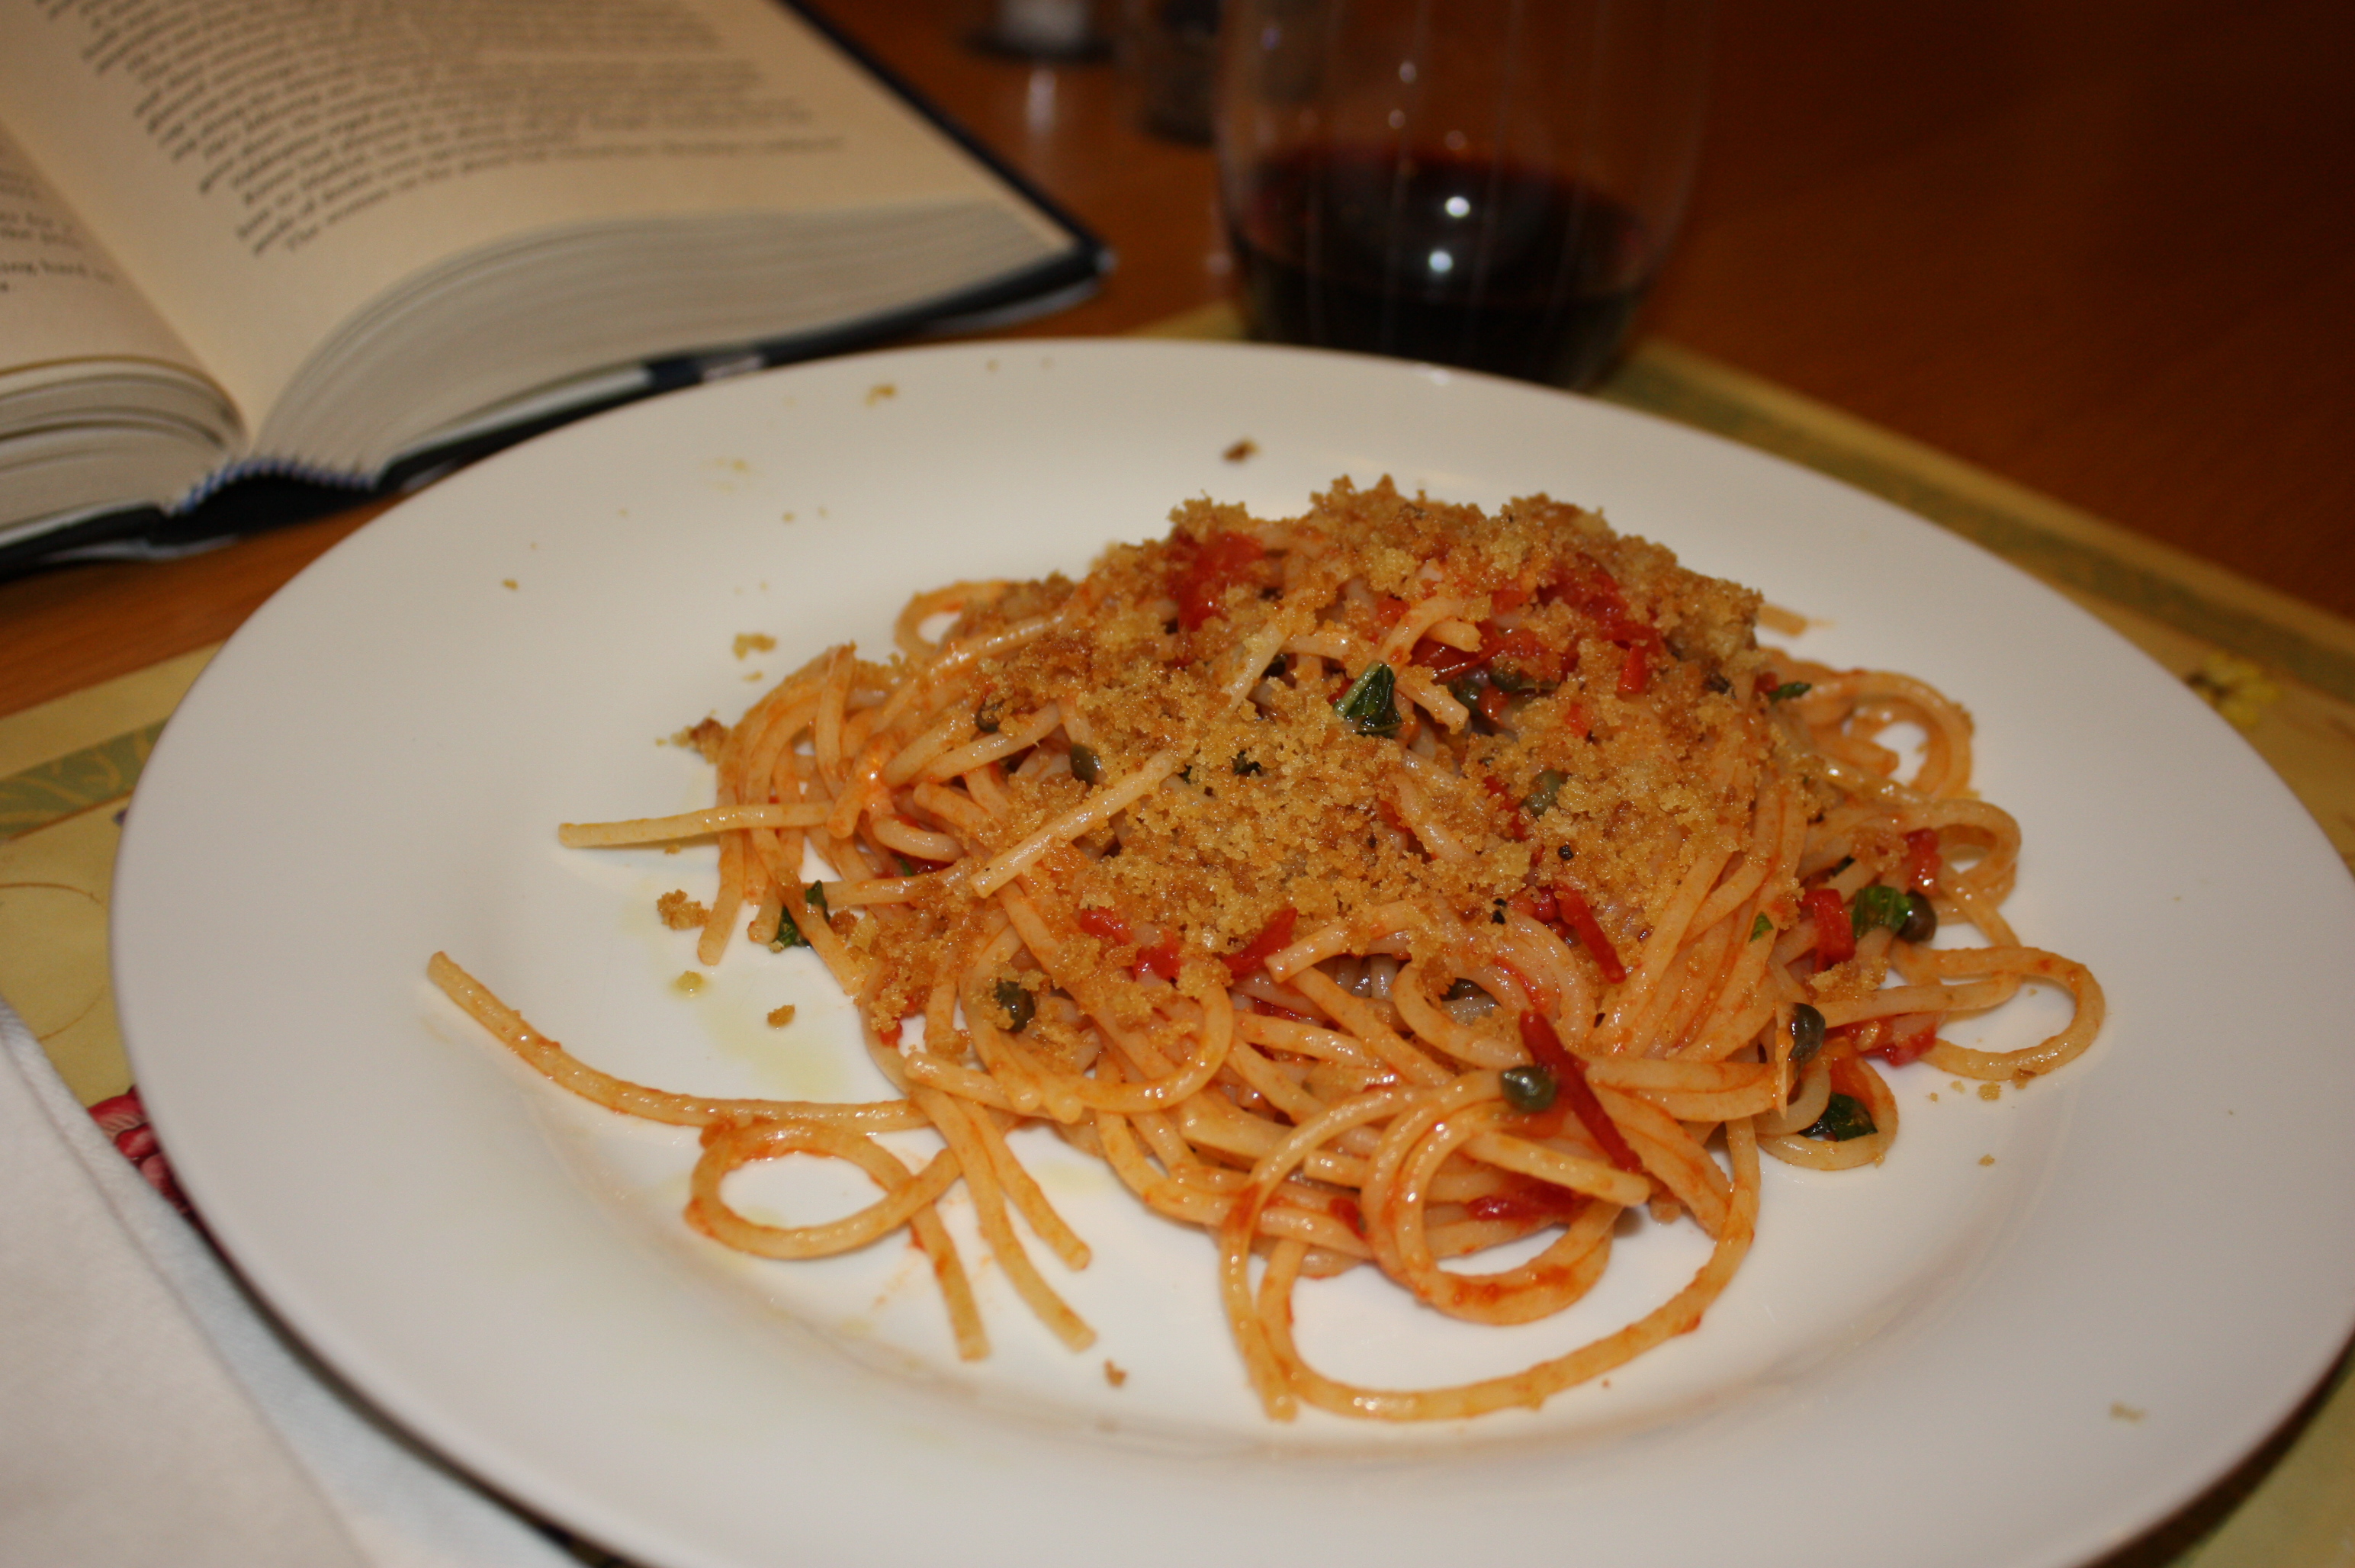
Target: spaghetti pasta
[1380,886]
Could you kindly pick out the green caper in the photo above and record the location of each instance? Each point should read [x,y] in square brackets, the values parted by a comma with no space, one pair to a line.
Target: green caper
[1085,766]
[1806,1034]
[1921,921]
[1530,1089]
[1019,1006]
[1548,789]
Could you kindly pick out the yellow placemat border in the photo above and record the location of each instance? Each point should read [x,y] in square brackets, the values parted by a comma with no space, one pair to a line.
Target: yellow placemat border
[66,768]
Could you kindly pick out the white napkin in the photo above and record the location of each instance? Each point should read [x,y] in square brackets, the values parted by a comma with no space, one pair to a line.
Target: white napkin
[151,1413]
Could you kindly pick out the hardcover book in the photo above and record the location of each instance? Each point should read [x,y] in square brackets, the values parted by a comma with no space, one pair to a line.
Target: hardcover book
[253,253]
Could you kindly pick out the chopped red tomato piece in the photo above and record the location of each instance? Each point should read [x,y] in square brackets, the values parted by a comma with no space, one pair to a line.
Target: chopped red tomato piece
[1105,922]
[1835,931]
[1524,1201]
[1445,660]
[1909,1044]
[1521,653]
[1492,703]
[1545,1049]
[1636,670]
[1541,906]
[1273,938]
[1345,1210]
[1161,958]
[1219,563]
[1597,593]
[1922,860]
[1590,934]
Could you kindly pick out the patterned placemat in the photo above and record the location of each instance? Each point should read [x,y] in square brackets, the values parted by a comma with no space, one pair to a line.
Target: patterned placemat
[2282,670]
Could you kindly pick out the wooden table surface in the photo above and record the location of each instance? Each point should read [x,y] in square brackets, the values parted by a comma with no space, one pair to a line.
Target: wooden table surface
[2105,247]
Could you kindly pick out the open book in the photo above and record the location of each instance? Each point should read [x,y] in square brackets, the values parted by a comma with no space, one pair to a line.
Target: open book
[342,241]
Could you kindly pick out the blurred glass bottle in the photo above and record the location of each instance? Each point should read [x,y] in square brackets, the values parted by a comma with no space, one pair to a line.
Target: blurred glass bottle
[1040,29]
[1169,53]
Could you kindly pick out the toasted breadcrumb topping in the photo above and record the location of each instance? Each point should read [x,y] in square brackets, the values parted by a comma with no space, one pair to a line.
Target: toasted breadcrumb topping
[708,737]
[1563,770]
[680,912]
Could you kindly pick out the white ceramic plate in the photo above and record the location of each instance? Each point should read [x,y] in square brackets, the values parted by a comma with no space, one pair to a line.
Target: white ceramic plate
[1944,1361]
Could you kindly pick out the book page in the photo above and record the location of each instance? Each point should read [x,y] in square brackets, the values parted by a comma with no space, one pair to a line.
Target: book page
[263,169]
[62,299]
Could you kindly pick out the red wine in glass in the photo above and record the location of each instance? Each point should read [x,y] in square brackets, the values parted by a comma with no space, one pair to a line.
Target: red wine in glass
[1450,260]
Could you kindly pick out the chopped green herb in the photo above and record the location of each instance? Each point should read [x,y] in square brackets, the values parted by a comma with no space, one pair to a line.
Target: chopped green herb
[1086,766]
[1789,690]
[788,933]
[1549,785]
[1462,990]
[1843,1119]
[1760,927]
[1877,905]
[1245,767]
[1806,1034]
[1369,706]
[1019,1005]
[1530,1089]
